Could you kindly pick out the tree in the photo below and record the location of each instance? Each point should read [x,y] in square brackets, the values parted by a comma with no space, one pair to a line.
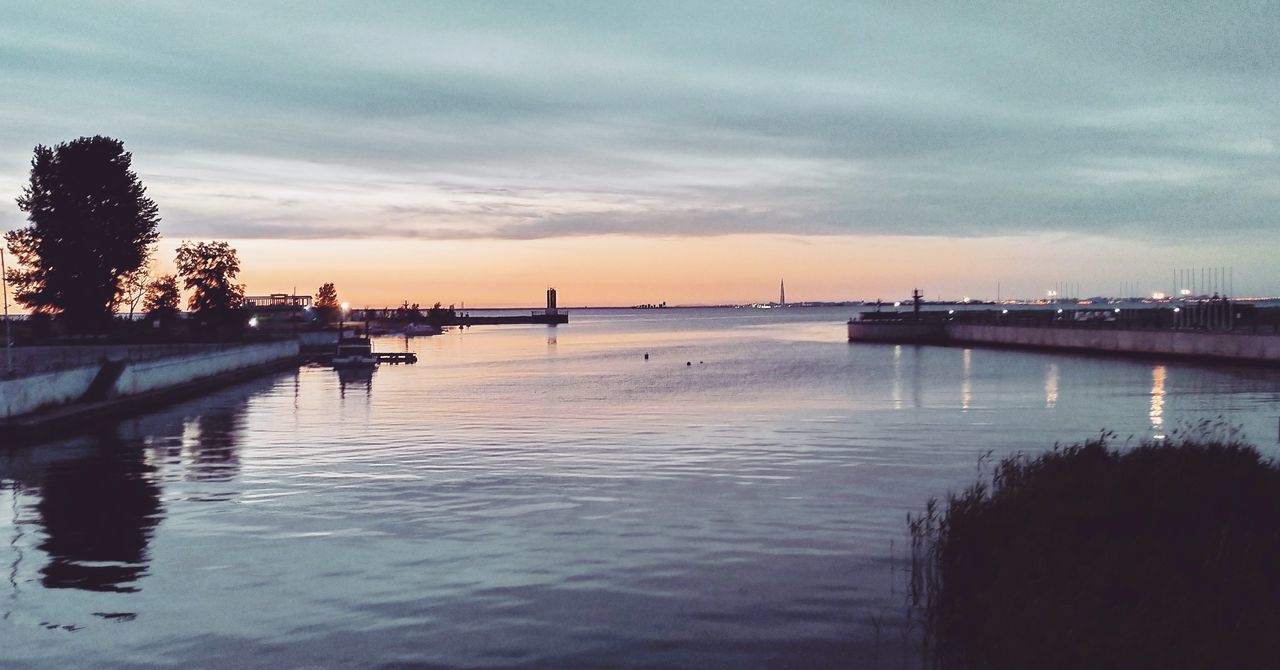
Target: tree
[163,297]
[327,303]
[327,297]
[90,223]
[133,286]
[208,270]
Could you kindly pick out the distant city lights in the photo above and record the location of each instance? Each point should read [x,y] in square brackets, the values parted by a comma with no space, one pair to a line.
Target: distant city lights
[1158,295]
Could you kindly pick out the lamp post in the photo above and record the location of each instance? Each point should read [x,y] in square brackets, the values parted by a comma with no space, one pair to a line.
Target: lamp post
[8,337]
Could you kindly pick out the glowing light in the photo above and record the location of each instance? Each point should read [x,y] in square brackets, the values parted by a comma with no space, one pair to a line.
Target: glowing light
[1117,310]
[1059,310]
[1004,311]
[1158,295]
[1177,309]
[253,322]
[897,304]
[1185,291]
[951,311]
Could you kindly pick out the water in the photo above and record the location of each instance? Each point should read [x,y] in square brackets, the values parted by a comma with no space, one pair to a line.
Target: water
[546,497]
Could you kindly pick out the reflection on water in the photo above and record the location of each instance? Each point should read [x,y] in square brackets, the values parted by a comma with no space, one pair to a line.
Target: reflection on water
[97,514]
[1051,386]
[1158,373]
[212,452]
[360,379]
[528,500]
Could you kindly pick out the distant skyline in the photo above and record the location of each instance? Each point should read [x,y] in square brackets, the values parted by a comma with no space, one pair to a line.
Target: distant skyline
[681,152]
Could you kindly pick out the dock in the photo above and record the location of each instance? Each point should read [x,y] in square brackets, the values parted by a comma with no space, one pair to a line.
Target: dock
[397,358]
[546,318]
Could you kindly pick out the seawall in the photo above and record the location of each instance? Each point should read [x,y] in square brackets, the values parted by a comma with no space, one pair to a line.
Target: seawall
[1204,345]
[56,398]
[1224,346]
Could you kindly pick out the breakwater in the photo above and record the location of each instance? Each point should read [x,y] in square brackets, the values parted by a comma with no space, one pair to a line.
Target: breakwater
[1228,346]
[57,387]
[549,318]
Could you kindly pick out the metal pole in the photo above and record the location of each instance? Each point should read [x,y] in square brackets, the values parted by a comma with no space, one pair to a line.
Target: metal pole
[8,337]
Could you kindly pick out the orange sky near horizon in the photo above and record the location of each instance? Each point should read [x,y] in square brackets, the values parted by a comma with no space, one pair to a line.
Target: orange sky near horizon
[625,270]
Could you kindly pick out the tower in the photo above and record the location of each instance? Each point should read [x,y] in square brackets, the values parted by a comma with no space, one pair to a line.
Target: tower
[782,292]
[551,301]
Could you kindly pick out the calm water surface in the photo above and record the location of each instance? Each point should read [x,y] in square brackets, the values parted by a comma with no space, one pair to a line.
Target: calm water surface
[546,497]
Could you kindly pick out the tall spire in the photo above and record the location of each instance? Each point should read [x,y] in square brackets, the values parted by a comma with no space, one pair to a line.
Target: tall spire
[782,292]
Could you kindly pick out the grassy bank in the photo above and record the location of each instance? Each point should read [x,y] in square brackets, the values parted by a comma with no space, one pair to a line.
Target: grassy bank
[1156,556]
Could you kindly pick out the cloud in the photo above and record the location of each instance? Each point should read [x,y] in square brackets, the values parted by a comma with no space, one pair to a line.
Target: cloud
[477,121]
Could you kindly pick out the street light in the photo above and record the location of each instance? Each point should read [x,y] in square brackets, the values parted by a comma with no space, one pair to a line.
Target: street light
[8,337]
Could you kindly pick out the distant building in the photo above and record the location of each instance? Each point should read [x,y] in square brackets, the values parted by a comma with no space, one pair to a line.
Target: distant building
[280,301]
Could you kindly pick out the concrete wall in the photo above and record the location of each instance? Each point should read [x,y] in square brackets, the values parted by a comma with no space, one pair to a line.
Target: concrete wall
[29,393]
[145,376]
[894,331]
[1224,346]
[319,339]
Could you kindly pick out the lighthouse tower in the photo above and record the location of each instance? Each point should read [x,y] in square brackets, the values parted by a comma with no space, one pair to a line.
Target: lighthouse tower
[782,293]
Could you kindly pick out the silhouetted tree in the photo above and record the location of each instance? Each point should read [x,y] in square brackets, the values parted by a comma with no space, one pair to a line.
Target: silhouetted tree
[133,287]
[90,223]
[327,296]
[208,270]
[163,297]
[327,303]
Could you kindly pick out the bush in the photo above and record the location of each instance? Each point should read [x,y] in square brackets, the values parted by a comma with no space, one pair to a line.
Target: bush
[1160,556]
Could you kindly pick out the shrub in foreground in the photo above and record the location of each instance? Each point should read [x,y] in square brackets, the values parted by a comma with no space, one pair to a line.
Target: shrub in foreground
[1158,556]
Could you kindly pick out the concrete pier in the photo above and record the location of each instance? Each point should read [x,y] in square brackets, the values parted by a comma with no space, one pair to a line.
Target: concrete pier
[1225,346]
[65,386]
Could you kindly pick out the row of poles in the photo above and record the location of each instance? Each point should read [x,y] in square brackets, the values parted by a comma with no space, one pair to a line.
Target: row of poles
[1205,281]
[1187,282]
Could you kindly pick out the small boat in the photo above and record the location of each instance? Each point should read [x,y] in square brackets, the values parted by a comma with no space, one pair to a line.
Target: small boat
[414,329]
[354,352]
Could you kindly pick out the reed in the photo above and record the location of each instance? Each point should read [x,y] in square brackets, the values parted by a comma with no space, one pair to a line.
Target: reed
[1160,555]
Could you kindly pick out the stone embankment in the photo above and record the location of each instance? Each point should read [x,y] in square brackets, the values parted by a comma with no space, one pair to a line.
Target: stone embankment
[50,388]
[1225,346]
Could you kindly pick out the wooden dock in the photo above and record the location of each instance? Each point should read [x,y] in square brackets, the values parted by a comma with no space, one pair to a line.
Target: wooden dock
[396,358]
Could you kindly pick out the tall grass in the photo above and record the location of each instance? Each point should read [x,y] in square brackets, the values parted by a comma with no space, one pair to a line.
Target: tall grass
[1157,556]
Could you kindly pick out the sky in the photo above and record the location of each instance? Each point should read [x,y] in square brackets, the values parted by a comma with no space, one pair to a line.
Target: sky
[688,152]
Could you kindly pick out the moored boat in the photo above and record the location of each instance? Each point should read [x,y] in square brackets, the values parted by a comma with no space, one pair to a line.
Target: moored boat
[415,329]
[354,352]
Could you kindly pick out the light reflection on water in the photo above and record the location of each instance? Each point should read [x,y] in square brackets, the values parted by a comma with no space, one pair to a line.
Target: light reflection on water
[546,497]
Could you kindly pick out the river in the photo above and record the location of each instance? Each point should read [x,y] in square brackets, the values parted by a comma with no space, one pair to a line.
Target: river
[550,497]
